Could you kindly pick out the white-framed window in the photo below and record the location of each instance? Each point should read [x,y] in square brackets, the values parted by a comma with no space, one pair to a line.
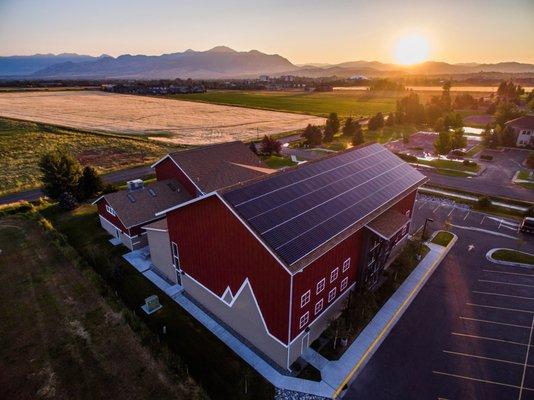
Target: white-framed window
[346,264]
[344,284]
[408,213]
[404,229]
[305,298]
[110,210]
[320,286]
[304,320]
[175,255]
[331,295]
[319,306]
[334,274]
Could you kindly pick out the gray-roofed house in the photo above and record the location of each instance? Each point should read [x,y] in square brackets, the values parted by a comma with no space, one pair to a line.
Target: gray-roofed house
[524,130]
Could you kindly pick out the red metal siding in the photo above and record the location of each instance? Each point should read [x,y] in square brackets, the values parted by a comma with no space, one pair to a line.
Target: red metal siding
[406,203]
[167,169]
[111,218]
[217,250]
[319,269]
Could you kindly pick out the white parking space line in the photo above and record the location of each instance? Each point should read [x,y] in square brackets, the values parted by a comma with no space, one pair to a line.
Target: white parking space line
[506,283]
[482,220]
[476,379]
[488,338]
[466,215]
[449,214]
[436,209]
[500,223]
[495,322]
[504,295]
[482,357]
[508,273]
[500,308]
[526,360]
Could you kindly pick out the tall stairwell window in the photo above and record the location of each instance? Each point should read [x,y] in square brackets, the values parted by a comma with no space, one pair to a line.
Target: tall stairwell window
[175,256]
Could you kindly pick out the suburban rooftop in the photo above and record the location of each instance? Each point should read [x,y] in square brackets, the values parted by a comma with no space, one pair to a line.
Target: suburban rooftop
[524,122]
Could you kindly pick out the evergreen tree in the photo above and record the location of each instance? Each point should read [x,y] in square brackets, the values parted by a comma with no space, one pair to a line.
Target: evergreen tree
[357,137]
[331,128]
[67,201]
[376,122]
[89,183]
[60,173]
[458,140]
[442,145]
[269,145]
[349,127]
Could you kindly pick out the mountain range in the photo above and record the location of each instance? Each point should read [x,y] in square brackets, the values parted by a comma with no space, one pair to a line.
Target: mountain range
[220,62]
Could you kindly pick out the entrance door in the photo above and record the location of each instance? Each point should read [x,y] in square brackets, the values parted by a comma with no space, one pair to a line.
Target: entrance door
[305,342]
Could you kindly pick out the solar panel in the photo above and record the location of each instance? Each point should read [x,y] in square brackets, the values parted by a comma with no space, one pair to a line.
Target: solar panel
[297,211]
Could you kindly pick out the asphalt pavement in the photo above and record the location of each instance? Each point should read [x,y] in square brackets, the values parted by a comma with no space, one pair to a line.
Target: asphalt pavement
[113,177]
[469,332]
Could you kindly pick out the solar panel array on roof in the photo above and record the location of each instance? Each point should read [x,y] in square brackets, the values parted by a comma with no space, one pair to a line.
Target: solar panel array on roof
[297,211]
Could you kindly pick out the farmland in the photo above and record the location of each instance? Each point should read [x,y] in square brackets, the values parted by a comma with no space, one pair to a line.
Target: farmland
[177,122]
[345,103]
[59,338]
[23,143]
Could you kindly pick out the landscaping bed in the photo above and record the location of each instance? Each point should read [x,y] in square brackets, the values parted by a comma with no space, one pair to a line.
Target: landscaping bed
[451,165]
[363,306]
[442,238]
[513,256]
[277,162]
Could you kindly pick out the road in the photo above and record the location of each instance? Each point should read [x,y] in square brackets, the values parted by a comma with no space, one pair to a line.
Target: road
[112,177]
[467,333]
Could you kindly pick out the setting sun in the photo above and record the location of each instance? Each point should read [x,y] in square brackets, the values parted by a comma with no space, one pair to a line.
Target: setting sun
[411,49]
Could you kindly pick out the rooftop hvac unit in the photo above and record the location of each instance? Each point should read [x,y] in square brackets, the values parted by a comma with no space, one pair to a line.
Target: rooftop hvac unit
[136,184]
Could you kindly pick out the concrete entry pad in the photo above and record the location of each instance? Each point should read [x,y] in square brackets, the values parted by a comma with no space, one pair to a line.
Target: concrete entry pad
[138,260]
[115,241]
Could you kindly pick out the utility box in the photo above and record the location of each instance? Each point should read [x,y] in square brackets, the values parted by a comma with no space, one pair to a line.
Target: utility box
[151,305]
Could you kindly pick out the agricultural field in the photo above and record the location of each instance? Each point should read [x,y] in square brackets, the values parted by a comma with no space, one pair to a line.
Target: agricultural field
[345,103]
[23,143]
[59,338]
[171,121]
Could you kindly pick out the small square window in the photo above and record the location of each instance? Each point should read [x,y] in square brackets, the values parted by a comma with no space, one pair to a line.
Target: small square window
[344,284]
[304,320]
[320,286]
[346,264]
[334,274]
[110,210]
[305,299]
[331,295]
[318,306]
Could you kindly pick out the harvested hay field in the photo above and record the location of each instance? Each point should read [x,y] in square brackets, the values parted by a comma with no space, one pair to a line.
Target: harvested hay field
[176,121]
[59,338]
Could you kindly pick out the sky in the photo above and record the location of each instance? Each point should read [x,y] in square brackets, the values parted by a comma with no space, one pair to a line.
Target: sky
[312,31]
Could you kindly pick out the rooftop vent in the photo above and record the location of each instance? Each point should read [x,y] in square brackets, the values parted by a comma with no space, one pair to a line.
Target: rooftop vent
[136,184]
[152,192]
[131,198]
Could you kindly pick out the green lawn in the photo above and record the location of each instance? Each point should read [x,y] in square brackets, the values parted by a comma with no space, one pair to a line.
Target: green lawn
[513,256]
[474,150]
[449,164]
[278,162]
[388,133]
[23,143]
[345,103]
[524,174]
[208,360]
[442,238]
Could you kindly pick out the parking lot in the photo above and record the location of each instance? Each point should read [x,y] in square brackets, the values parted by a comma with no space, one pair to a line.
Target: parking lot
[469,332]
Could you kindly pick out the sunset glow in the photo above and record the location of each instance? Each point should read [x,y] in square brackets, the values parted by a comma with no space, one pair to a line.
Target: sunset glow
[412,49]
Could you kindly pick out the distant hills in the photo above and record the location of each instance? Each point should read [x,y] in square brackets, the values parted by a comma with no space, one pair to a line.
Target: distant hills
[220,62]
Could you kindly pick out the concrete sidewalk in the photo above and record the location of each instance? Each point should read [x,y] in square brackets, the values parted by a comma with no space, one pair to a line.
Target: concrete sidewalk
[336,375]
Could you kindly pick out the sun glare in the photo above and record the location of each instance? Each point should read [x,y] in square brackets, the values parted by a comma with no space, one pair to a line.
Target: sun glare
[411,49]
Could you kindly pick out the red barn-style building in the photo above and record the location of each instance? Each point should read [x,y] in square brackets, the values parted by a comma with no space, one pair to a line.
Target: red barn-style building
[275,255]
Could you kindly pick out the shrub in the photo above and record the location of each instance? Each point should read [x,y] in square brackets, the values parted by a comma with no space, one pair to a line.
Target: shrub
[486,157]
[89,184]
[484,201]
[270,145]
[313,135]
[67,201]
[469,162]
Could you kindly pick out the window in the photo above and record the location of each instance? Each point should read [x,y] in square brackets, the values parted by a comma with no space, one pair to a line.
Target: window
[331,295]
[110,210]
[408,213]
[305,299]
[175,255]
[404,229]
[346,264]
[304,320]
[318,306]
[334,274]
[344,284]
[320,286]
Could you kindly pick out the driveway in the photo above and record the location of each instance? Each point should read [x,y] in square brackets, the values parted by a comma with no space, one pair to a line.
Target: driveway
[113,177]
[467,333]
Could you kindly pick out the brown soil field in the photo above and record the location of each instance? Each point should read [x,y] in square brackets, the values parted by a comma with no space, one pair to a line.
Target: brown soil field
[177,121]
